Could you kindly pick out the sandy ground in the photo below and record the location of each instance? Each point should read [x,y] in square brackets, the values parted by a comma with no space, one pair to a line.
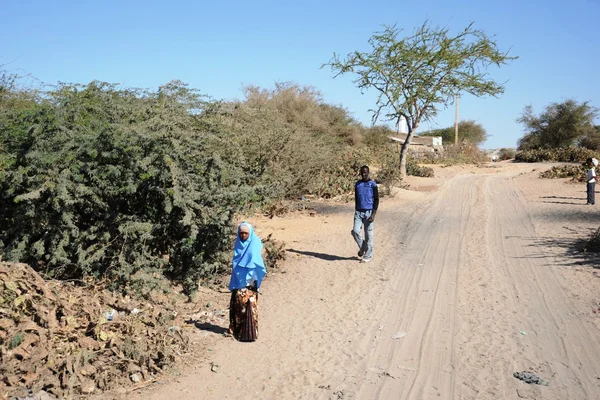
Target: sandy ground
[476,275]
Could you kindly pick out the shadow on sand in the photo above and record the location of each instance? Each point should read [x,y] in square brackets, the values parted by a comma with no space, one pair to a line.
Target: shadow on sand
[574,250]
[564,202]
[208,327]
[322,256]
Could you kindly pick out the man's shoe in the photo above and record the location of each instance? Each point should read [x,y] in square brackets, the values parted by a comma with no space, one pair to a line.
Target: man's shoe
[361,253]
[365,260]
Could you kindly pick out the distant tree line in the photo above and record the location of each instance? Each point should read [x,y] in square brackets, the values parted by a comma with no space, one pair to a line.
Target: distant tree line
[468,132]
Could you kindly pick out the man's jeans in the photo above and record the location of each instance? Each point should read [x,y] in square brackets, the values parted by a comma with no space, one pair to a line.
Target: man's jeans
[361,218]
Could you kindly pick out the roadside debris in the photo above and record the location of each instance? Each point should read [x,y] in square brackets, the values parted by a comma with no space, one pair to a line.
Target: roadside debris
[530,377]
[399,335]
[68,340]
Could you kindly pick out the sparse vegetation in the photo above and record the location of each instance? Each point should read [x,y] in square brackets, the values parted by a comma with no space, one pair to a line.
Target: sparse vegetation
[563,154]
[464,153]
[577,172]
[275,252]
[97,181]
[414,169]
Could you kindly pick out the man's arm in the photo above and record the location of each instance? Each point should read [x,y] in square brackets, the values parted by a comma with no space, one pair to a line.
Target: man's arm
[375,201]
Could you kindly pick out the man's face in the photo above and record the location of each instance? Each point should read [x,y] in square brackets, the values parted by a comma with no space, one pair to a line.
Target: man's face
[364,174]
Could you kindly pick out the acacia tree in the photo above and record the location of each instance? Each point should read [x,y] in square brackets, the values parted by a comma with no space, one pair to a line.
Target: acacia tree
[417,75]
[560,125]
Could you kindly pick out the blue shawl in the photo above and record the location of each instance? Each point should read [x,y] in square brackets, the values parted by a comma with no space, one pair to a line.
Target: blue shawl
[248,264]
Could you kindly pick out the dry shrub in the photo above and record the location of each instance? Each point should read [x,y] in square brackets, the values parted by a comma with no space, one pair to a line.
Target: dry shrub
[577,172]
[274,252]
[387,172]
[563,154]
[56,336]
[414,169]
[304,106]
[464,153]
[376,138]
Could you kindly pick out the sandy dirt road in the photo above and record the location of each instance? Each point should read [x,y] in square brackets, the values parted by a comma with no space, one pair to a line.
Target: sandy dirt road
[468,285]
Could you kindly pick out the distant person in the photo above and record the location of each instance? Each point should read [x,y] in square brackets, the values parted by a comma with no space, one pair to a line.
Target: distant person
[366,202]
[247,273]
[590,178]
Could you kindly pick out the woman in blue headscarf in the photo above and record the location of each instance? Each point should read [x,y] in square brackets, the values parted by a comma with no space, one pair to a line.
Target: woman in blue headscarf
[246,276]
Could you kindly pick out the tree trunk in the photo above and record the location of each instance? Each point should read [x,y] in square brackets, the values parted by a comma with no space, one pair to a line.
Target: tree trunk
[404,152]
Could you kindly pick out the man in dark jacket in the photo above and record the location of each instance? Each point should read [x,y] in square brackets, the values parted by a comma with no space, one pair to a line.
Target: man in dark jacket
[366,201]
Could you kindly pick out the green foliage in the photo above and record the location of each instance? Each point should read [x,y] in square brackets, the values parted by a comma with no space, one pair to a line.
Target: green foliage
[468,131]
[507,154]
[287,142]
[106,182]
[591,140]
[577,172]
[417,75]
[560,125]
[340,176]
[564,154]
[132,185]
[16,340]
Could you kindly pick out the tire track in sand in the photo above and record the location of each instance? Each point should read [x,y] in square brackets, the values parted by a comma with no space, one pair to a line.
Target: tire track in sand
[472,277]
[467,278]
[422,303]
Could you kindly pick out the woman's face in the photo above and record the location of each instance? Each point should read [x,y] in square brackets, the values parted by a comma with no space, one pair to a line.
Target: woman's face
[244,233]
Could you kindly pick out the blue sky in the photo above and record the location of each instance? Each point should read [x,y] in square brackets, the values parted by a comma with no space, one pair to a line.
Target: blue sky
[219,47]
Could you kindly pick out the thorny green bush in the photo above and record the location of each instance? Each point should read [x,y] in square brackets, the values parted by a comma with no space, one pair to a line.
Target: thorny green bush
[279,159]
[563,154]
[134,185]
[107,182]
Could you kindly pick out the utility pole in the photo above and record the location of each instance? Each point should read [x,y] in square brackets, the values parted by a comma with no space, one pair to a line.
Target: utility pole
[456,122]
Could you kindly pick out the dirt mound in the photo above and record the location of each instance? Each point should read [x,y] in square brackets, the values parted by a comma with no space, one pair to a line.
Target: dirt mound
[69,340]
